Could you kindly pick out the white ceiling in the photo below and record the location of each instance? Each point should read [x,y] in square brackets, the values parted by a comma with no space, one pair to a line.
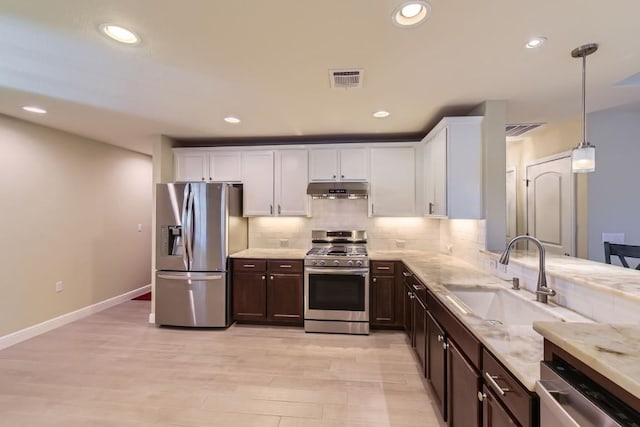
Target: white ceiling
[267,62]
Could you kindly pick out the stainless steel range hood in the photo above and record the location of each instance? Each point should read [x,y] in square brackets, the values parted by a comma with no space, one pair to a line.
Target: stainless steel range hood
[338,190]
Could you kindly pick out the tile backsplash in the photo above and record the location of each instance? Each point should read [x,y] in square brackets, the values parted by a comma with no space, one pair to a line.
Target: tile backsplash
[463,238]
[414,233]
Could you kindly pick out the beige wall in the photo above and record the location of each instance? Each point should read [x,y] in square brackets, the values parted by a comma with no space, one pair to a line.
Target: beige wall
[543,142]
[70,210]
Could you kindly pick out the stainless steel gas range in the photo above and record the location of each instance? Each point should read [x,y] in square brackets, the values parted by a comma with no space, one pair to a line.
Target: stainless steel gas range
[336,283]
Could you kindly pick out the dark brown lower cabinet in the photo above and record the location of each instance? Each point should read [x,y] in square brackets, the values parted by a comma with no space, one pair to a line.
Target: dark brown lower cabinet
[383,300]
[268,291]
[420,332]
[436,363]
[284,298]
[493,414]
[249,296]
[463,384]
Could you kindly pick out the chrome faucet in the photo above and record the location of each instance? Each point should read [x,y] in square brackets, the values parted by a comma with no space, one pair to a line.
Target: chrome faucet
[542,291]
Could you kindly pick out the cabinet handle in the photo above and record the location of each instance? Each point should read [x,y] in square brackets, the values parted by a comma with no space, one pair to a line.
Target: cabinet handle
[383,268]
[373,209]
[492,381]
[406,274]
[203,178]
[374,280]
[210,179]
[279,210]
[342,176]
[430,208]
[409,294]
[271,209]
[334,176]
[416,288]
[264,277]
[445,346]
[285,266]
[249,265]
[271,277]
[481,396]
[440,338]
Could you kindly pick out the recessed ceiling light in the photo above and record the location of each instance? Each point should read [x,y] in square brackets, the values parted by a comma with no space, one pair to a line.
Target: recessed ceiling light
[535,42]
[34,109]
[232,119]
[120,34]
[380,114]
[411,13]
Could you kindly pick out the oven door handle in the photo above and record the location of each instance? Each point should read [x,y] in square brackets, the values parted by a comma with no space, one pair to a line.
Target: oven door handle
[346,271]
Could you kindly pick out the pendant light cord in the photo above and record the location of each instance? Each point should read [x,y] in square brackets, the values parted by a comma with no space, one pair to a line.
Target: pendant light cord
[584,100]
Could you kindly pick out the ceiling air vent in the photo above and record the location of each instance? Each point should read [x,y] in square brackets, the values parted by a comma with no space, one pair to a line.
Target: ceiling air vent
[346,79]
[521,128]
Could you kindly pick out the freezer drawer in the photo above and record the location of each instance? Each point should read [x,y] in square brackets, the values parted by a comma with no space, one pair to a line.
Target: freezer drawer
[192,299]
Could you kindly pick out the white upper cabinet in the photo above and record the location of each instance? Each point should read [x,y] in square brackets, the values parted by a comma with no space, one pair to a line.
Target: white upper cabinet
[257,179]
[275,183]
[343,164]
[199,165]
[191,166]
[452,169]
[393,178]
[292,176]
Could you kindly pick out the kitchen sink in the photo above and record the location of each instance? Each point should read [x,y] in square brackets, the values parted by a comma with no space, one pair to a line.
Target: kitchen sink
[501,306]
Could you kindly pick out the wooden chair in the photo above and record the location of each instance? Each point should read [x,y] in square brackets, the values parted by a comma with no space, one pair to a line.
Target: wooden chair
[621,251]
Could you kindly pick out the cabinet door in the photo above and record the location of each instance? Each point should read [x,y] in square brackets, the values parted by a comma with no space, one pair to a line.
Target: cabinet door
[249,296]
[257,179]
[436,363]
[408,311]
[323,165]
[191,166]
[493,414]
[420,331]
[292,176]
[354,165]
[284,298]
[392,182]
[463,384]
[225,166]
[383,302]
[435,175]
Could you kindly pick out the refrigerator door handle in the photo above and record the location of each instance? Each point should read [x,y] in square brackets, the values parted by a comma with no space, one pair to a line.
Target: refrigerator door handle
[185,201]
[189,232]
[185,277]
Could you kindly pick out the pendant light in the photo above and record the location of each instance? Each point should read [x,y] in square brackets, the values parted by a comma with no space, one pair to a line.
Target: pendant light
[583,157]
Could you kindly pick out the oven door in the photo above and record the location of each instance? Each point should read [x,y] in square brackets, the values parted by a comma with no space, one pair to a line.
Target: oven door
[336,294]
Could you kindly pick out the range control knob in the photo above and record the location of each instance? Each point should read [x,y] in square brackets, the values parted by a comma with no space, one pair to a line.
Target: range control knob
[336,262]
[350,263]
[359,263]
[314,262]
[322,263]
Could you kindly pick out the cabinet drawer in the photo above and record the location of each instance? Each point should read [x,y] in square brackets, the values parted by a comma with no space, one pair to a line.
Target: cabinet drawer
[383,267]
[257,265]
[515,397]
[285,266]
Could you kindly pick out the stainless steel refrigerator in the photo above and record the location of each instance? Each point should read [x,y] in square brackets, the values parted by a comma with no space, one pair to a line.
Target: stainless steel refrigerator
[198,225]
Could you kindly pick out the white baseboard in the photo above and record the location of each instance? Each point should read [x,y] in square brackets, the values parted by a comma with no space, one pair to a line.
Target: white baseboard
[56,322]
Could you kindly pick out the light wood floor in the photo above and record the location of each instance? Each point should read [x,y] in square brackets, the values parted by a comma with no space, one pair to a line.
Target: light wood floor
[115,369]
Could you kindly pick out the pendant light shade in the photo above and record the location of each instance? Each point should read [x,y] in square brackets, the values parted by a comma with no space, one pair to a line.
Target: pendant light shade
[583,157]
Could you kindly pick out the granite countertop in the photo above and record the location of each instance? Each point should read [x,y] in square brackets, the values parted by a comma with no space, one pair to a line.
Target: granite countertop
[519,348]
[275,253]
[611,350]
[613,279]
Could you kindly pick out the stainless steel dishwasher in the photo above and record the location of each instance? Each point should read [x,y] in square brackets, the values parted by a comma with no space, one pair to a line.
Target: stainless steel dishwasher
[568,398]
